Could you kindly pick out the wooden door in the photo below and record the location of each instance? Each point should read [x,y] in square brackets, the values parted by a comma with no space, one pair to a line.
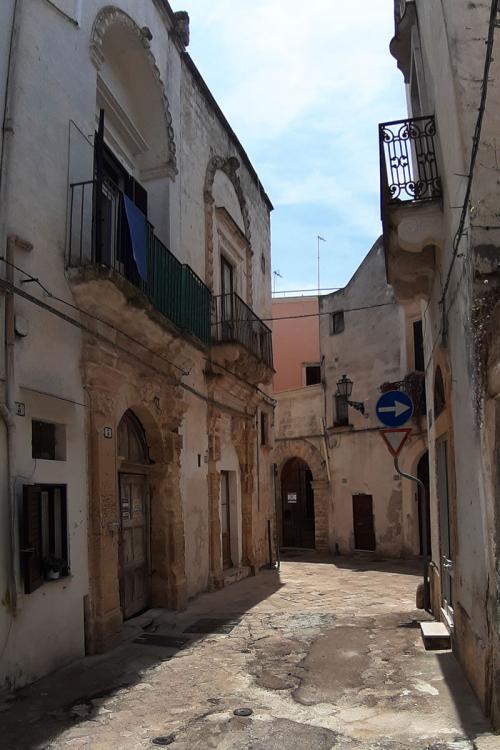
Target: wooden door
[364,530]
[298,505]
[225,500]
[134,547]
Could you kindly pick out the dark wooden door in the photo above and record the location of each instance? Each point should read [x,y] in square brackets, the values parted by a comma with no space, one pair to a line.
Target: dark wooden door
[134,514]
[423,475]
[364,531]
[225,505]
[298,505]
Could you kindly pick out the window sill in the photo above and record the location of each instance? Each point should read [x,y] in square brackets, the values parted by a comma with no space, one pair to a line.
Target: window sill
[66,578]
[340,428]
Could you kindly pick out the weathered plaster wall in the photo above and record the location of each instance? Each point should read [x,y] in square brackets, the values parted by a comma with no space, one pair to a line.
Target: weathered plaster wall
[54,118]
[372,350]
[452,36]
[41,613]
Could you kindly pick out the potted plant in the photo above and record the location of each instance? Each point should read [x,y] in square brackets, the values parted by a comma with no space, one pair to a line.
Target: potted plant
[53,567]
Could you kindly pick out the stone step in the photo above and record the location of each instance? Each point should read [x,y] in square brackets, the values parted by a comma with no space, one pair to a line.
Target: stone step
[435,636]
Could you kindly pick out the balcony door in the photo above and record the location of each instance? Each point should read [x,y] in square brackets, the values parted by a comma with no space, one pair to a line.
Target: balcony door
[227,288]
[113,183]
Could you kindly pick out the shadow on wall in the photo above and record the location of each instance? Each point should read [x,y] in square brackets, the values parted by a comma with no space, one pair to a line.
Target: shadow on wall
[76,693]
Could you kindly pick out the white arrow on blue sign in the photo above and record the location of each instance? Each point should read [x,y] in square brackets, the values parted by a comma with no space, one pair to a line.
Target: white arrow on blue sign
[394,408]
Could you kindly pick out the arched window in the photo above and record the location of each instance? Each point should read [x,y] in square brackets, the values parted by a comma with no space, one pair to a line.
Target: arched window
[439,397]
[132,445]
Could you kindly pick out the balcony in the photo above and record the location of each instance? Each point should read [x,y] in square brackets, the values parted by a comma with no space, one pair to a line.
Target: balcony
[100,239]
[411,204]
[240,333]
[414,385]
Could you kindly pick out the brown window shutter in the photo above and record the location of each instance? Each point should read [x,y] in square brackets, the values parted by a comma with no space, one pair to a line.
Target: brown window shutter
[31,543]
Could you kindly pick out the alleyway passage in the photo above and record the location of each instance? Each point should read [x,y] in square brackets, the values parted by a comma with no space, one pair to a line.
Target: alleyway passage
[326,653]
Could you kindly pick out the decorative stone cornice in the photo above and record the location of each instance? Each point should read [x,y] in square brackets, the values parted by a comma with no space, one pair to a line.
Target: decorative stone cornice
[229,166]
[110,16]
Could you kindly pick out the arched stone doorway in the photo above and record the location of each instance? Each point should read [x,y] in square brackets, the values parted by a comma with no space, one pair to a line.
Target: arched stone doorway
[135,537]
[320,485]
[297,497]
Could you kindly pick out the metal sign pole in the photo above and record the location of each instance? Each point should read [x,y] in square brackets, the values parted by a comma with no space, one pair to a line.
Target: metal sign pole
[424,531]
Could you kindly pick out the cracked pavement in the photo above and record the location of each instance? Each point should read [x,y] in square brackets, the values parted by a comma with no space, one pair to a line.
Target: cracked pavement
[326,653]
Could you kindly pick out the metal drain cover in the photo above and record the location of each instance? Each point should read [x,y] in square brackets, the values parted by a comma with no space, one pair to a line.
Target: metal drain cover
[155,639]
[164,740]
[207,625]
[242,712]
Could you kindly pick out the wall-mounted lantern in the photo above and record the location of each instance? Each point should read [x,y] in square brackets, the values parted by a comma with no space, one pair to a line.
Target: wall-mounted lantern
[344,390]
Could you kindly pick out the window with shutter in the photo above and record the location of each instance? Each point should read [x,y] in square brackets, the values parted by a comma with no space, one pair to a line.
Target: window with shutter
[340,412]
[44,535]
[31,545]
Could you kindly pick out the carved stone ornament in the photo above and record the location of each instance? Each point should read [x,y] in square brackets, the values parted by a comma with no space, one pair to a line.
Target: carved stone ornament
[230,168]
[182,26]
[109,16]
[103,402]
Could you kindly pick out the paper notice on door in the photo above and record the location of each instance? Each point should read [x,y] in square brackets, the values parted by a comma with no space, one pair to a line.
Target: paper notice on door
[291,497]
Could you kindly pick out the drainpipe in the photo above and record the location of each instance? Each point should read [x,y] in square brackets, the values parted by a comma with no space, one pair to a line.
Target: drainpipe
[7,408]
[7,412]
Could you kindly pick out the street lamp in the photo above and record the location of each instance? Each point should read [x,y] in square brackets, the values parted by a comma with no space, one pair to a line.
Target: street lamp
[344,390]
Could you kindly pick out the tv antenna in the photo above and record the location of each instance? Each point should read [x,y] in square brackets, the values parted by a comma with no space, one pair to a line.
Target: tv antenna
[276,274]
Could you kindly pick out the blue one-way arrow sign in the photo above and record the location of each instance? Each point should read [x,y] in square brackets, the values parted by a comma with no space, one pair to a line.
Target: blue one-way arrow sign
[394,408]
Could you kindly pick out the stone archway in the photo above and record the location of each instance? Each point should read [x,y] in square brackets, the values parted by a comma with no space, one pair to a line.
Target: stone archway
[229,166]
[111,22]
[303,449]
[110,399]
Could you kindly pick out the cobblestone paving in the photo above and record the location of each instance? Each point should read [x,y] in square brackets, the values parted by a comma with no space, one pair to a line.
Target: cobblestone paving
[327,654]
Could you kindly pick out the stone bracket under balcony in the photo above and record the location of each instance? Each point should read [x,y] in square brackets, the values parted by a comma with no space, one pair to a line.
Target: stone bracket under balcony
[236,358]
[413,234]
[241,341]
[418,226]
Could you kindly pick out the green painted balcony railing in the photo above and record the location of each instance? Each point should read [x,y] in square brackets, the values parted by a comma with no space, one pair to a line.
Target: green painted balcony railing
[173,288]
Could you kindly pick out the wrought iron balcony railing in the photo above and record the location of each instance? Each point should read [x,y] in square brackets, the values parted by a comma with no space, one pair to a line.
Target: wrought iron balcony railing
[234,322]
[414,385]
[408,165]
[172,288]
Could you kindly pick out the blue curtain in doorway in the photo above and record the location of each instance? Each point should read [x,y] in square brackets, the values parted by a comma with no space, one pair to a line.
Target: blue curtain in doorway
[138,236]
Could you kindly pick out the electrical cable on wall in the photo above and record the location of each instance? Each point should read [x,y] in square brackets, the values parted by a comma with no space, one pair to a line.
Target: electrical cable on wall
[475,148]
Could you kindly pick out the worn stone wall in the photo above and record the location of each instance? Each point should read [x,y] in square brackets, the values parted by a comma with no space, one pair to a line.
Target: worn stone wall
[449,46]
[374,348]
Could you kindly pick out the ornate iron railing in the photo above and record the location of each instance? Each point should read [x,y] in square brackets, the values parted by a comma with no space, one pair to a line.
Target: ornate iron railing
[408,165]
[172,288]
[234,322]
[414,385]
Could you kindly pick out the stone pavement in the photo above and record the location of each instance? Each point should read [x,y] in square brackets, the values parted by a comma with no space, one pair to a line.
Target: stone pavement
[326,653]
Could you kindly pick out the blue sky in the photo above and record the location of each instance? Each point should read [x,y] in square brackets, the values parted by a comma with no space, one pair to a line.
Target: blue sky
[304,86]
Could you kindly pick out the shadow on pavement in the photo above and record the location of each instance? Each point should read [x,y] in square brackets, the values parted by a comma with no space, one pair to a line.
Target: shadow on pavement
[33,716]
[357,563]
[467,706]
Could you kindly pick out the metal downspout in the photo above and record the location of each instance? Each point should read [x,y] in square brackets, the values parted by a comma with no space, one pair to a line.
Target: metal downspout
[7,408]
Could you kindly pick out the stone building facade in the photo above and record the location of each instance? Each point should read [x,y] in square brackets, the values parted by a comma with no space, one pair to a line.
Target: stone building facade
[360,502]
[439,197]
[136,422]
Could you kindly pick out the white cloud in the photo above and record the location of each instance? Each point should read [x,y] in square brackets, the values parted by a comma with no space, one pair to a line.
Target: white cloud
[304,86]
[287,59]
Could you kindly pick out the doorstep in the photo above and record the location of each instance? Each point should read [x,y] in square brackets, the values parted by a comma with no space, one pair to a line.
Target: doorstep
[436,636]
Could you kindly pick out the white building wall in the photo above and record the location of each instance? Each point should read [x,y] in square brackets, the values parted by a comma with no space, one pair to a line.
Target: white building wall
[54,121]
